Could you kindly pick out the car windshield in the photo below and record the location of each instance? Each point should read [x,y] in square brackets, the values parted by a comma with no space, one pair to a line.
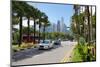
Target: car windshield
[56,41]
[46,42]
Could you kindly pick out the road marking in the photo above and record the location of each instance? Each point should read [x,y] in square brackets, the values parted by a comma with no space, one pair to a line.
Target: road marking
[64,59]
[67,56]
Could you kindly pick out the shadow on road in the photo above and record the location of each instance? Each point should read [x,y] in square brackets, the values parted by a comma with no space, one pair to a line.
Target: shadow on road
[28,53]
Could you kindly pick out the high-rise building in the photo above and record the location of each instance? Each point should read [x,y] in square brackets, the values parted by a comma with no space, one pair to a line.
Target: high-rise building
[62,25]
[58,26]
[54,27]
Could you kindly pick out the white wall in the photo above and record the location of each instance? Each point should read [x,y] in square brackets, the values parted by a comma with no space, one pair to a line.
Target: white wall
[5,33]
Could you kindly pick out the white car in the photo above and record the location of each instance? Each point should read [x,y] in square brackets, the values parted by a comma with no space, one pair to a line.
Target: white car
[46,44]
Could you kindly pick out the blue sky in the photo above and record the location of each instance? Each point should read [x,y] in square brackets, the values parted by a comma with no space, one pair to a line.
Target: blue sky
[55,11]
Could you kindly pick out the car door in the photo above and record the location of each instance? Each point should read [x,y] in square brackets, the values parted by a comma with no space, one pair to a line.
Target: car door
[51,43]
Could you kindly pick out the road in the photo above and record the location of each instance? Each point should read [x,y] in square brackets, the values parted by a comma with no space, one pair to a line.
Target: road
[59,54]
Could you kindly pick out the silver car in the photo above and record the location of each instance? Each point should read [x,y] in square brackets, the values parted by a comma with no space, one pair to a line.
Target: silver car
[46,44]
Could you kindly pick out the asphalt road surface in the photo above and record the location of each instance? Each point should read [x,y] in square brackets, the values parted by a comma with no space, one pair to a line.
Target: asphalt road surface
[58,54]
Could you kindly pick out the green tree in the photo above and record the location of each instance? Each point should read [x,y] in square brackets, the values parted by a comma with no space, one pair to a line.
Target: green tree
[45,24]
[17,7]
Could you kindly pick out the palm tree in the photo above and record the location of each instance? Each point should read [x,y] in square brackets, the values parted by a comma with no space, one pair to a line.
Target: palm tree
[94,26]
[38,18]
[28,14]
[84,24]
[41,20]
[22,9]
[73,25]
[76,8]
[45,24]
[35,19]
[91,28]
[88,20]
[17,7]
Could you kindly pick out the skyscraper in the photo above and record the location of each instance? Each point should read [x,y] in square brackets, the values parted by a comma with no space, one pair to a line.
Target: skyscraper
[61,26]
[58,26]
[54,27]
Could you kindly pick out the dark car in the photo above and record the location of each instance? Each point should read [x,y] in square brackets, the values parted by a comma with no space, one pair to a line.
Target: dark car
[57,42]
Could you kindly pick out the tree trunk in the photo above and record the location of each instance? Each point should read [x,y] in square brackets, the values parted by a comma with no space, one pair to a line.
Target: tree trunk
[34,31]
[20,32]
[88,17]
[44,33]
[78,25]
[91,32]
[28,29]
[39,31]
[84,26]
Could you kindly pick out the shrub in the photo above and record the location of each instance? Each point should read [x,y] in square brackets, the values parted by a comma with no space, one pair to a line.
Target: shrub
[23,46]
[82,41]
[15,37]
[29,45]
[15,48]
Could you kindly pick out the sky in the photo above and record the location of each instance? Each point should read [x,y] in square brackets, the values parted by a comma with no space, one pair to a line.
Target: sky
[55,11]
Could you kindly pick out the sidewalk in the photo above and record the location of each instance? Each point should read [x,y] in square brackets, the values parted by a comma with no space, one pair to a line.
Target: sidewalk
[68,55]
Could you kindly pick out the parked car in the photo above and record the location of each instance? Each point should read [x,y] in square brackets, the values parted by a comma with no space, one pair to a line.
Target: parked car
[57,42]
[46,44]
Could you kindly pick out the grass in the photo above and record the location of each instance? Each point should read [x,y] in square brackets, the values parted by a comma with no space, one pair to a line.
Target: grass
[76,55]
[80,53]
